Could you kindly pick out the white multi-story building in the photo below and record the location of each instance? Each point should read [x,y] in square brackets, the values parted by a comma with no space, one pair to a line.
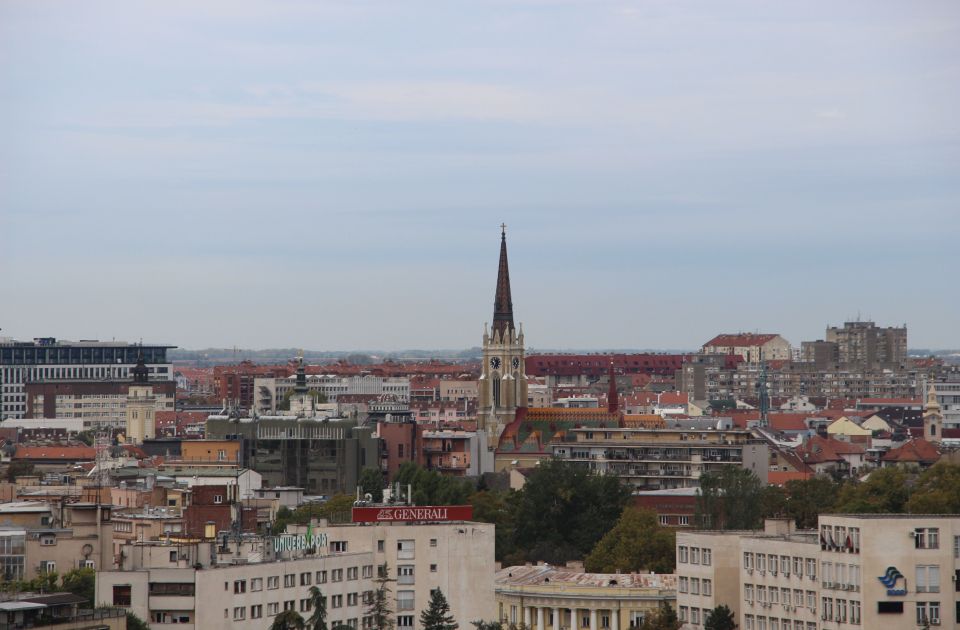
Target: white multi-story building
[856,571]
[46,360]
[269,393]
[243,584]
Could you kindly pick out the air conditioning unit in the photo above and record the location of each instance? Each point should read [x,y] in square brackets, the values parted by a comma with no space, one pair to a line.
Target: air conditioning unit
[749,571]
[762,572]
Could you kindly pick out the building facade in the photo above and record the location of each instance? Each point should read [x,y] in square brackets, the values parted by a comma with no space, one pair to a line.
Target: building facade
[554,598]
[49,360]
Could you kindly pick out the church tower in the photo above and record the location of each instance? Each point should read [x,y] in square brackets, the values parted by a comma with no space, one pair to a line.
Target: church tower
[503,380]
[932,418]
[141,404]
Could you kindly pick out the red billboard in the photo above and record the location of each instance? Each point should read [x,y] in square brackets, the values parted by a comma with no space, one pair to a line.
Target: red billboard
[409,513]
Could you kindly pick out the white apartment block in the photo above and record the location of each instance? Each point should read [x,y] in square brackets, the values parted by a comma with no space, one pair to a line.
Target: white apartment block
[268,393]
[856,571]
[243,584]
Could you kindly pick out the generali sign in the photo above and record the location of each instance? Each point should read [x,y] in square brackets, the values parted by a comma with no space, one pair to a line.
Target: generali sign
[407,514]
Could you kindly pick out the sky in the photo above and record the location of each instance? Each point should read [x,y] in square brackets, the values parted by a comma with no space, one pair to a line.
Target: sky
[332,175]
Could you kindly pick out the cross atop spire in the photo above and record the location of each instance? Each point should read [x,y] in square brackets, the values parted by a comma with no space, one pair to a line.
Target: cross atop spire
[502,301]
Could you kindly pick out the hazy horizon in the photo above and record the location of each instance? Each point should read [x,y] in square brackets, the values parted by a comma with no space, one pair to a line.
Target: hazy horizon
[333,174]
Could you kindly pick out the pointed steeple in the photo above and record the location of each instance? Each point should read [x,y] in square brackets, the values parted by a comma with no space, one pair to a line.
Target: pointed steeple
[931,405]
[502,302]
[613,400]
[141,375]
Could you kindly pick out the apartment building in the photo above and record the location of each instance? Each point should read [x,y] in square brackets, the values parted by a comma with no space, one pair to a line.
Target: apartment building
[650,459]
[866,344]
[47,360]
[270,392]
[99,404]
[753,347]
[855,571]
[244,582]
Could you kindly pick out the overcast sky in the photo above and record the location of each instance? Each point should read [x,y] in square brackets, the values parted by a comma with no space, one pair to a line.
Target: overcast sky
[331,175]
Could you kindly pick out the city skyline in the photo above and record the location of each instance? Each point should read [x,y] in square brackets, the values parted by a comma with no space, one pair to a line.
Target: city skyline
[333,175]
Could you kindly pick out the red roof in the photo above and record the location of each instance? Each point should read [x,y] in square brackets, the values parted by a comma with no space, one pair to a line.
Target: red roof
[56,453]
[740,340]
[914,451]
[818,450]
[891,401]
[673,398]
[778,478]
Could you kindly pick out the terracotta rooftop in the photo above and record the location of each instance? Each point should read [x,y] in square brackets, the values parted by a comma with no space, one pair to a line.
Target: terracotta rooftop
[914,451]
[740,340]
[56,453]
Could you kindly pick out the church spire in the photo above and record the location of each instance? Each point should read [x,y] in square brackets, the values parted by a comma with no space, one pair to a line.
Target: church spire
[502,302]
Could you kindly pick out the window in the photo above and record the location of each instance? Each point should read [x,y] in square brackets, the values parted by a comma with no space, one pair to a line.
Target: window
[772,562]
[926,538]
[47,566]
[121,595]
[239,612]
[694,586]
[290,579]
[305,578]
[928,578]
[785,565]
[404,621]
[842,610]
[405,574]
[928,612]
[368,571]
[683,585]
[88,564]
[684,615]
[694,555]
[683,520]
[218,499]
[664,520]
[855,611]
[812,568]
[256,611]
[273,581]
[433,568]
[305,605]
[798,566]
[336,601]
[433,542]
[706,557]
[797,597]
[321,577]
[380,546]
[352,573]
[338,546]
[336,575]
[290,604]
[761,562]
[273,608]
[239,586]
[352,599]
[747,560]
[405,549]
[683,554]
[812,600]
[173,556]
[404,600]
[774,595]
[748,592]
[707,586]
[694,616]
[761,593]
[256,584]
[956,546]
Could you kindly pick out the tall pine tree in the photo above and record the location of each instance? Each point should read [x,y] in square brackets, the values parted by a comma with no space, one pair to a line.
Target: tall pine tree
[378,609]
[437,615]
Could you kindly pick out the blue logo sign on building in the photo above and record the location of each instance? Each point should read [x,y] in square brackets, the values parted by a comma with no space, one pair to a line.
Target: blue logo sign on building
[890,578]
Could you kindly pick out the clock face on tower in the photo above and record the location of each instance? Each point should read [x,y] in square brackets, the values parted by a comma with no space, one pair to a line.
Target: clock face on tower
[495,363]
[516,362]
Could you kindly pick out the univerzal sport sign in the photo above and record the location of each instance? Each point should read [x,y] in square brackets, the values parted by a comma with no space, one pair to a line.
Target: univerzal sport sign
[407,514]
[292,542]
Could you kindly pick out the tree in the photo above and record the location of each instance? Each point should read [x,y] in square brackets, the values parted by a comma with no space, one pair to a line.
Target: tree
[336,510]
[937,491]
[885,491]
[663,619]
[318,603]
[436,616]
[497,508]
[720,618]
[371,482]
[288,620]
[136,623]
[432,488]
[807,498]
[80,582]
[730,499]
[381,616]
[487,625]
[637,543]
[18,469]
[563,510]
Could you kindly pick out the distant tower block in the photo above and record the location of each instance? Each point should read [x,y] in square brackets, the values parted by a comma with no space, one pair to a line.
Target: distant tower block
[503,380]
